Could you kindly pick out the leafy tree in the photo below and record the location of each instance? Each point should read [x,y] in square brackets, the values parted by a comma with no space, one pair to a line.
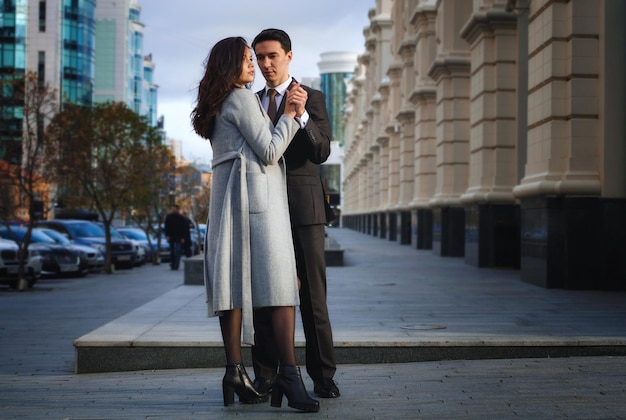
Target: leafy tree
[149,194]
[100,153]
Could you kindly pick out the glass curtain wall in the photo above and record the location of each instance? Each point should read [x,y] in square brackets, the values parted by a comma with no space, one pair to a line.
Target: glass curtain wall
[13,18]
[78,60]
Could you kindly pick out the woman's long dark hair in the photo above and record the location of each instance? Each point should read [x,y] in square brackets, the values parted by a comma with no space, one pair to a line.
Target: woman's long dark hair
[223,68]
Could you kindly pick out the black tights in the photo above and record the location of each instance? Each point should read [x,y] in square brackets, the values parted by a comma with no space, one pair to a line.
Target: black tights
[283,323]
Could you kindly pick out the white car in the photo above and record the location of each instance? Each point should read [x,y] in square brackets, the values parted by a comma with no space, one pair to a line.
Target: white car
[9,264]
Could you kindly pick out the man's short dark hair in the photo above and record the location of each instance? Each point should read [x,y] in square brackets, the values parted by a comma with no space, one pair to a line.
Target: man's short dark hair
[272,34]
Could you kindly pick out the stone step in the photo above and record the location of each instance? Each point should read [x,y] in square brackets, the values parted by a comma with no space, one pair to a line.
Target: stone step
[194,274]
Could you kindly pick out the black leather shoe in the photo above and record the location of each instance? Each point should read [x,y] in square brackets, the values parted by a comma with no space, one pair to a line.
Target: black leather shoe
[326,388]
[236,381]
[289,383]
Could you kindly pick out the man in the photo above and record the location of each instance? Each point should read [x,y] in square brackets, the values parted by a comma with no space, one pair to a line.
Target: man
[187,245]
[175,228]
[309,148]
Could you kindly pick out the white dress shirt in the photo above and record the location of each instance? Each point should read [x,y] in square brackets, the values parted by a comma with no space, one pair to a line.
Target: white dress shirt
[280,94]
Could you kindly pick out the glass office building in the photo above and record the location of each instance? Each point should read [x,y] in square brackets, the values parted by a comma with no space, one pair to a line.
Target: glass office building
[78,52]
[13,19]
[336,68]
[123,72]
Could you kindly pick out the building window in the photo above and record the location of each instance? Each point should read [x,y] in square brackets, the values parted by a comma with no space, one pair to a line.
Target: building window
[41,68]
[42,16]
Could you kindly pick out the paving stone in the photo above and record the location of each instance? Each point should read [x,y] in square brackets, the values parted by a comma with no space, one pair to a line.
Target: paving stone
[382,288]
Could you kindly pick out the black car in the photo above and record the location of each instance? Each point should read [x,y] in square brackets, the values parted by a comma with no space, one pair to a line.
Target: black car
[94,256]
[123,252]
[57,260]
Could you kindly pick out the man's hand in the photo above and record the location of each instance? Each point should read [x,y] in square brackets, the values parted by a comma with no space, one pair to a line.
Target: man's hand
[296,98]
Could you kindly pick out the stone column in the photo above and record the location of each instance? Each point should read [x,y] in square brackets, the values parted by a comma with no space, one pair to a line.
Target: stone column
[491,212]
[451,72]
[380,57]
[423,98]
[393,130]
[403,45]
[383,142]
[560,205]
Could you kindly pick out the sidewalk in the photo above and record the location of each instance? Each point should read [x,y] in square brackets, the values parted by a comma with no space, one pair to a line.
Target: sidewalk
[385,295]
[388,303]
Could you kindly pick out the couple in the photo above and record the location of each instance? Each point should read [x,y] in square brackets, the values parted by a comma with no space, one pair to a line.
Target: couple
[264,247]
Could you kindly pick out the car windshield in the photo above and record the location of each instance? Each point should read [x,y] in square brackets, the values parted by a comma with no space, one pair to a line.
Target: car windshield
[139,235]
[85,230]
[56,236]
[114,232]
[19,233]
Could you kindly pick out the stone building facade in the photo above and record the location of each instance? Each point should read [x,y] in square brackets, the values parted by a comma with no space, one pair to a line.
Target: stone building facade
[494,131]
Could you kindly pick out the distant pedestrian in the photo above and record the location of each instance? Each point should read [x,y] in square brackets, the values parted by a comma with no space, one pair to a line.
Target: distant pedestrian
[176,229]
[188,247]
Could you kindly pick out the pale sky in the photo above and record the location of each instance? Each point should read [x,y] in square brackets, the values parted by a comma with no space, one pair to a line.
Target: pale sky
[180,33]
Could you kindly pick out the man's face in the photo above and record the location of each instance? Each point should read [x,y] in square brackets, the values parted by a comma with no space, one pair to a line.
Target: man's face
[273,62]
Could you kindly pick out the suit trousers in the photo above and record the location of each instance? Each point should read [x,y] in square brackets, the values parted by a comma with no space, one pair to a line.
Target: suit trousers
[320,352]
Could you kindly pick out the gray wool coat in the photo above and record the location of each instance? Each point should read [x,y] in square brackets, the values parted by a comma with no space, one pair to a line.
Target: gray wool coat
[249,260]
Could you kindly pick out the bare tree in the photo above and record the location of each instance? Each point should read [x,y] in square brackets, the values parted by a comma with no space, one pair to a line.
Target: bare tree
[29,185]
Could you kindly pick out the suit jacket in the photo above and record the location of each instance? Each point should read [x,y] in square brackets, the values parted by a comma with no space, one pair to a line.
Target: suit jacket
[309,148]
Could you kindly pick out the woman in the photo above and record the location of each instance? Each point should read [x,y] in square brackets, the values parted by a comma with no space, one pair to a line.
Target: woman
[248,253]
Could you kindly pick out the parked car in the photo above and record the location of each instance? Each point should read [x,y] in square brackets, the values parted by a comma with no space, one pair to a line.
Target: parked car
[142,251]
[164,240]
[9,264]
[195,239]
[95,258]
[57,260]
[123,252]
[202,230]
[139,235]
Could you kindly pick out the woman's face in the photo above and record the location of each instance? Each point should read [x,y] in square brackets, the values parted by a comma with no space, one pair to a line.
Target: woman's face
[247,69]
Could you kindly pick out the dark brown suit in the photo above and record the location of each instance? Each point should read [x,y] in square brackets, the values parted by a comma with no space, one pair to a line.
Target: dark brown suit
[309,148]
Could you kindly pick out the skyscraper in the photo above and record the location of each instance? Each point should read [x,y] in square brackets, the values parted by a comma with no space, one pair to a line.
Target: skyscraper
[88,52]
[336,68]
[13,19]
[123,73]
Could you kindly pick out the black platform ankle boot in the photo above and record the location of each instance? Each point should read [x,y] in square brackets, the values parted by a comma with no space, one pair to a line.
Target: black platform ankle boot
[236,381]
[289,383]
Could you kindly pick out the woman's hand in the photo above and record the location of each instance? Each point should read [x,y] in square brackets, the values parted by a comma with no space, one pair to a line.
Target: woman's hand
[296,99]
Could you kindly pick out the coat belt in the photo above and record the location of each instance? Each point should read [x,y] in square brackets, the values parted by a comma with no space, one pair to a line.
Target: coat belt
[241,244]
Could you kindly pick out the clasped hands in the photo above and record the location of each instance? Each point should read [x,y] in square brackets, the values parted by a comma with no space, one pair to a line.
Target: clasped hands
[296,99]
